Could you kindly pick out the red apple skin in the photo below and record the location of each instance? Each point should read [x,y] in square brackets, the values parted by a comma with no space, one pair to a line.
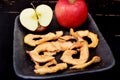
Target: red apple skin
[41,29]
[71,15]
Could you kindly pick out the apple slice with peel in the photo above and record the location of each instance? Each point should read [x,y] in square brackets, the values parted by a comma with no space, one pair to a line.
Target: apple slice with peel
[36,19]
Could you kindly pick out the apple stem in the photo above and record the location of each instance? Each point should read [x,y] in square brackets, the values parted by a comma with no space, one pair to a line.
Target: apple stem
[32,5]
[36,14]
[34,9]
[72,1]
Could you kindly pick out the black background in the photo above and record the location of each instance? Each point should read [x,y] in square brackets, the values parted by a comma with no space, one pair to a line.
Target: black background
[106,14]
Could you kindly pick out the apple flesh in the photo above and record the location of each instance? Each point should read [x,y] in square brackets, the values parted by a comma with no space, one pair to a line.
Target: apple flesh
[36,19]
[71,13]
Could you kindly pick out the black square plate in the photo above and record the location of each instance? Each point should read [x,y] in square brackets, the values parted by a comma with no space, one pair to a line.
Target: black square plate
[23,66]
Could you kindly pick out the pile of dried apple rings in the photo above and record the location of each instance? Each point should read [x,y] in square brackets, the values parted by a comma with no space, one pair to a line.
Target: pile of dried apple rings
[51,44]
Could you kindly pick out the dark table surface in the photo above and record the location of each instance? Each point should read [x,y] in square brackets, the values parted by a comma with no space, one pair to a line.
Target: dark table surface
[108,25]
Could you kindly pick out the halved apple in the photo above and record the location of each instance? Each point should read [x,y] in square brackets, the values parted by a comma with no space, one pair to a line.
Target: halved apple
[36,19]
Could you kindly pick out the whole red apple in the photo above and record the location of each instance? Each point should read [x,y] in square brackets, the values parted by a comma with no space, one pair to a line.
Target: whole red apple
[71,13]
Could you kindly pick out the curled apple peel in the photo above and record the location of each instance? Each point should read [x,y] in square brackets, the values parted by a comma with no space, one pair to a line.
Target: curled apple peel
[36,19]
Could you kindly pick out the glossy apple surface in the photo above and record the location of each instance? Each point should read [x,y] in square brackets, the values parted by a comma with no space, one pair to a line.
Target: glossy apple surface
[71,13]
[36,19]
